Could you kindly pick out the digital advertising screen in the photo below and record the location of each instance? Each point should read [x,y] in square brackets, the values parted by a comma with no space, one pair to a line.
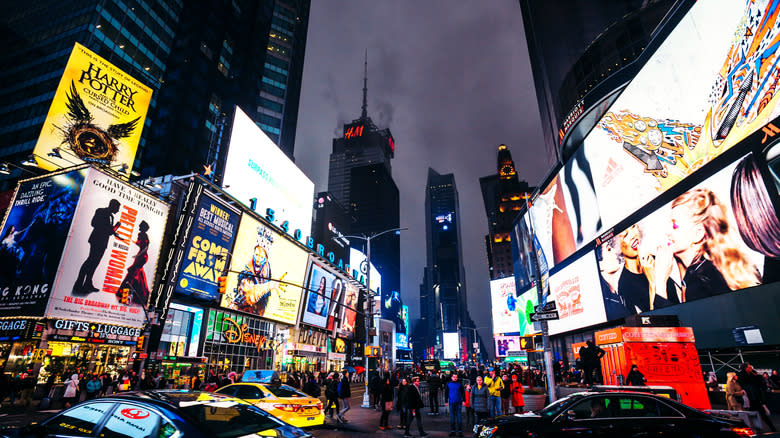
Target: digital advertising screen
[208,247]
[709,85]
[113,244]
[522,250]
[348,310]
[96,116]
[270,267]
[696,246]
[256,169]
[451,345]
[504,306]
[33,238]
[577,294]
[392,310]
[402,337]
[526,303]
[357,261]
[505,344]
[322,286]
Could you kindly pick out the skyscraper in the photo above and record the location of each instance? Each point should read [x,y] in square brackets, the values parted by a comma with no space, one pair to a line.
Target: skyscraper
[443,291]
[504,196]
[360,178]
[135,36]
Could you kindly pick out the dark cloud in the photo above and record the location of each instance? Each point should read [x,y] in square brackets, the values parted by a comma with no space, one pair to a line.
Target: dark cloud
[452,81]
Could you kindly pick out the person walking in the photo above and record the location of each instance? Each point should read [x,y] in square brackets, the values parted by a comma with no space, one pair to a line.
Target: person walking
[467,405]
[434,384]
[734,392]
[71,390]
[495,385]
[386,400]
[635,378]
[506,394]
[403,402]
[752,383]
[479,399]
[345,392]
[517,394]
[415,404]
[455,396]
[332,395]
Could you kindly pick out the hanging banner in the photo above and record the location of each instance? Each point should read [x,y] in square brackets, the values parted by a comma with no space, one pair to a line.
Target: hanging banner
[96,116]
[33,238]
[110,257]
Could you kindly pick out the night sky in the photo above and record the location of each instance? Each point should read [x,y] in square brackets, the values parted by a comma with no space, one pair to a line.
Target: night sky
[452,81]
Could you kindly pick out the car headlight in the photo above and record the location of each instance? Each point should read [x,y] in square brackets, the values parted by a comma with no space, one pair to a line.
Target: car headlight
[487,432]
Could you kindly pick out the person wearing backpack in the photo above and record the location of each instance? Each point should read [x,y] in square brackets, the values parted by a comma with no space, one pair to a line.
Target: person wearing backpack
[345,392]
[93,387]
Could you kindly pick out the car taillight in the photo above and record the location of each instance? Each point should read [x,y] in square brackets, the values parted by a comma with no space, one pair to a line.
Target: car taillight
[319,406]
[288,408]
[742,431]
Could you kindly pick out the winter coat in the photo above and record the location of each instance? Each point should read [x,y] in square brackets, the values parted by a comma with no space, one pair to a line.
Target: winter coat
[455,392]
[344,389]
[479,398]
[386,393]
[734,396]
[403,396]
[93,386]
[331,388]
[517,394]
[434,382]
[312,388]
[494,385]
[71,385]
[506,391]
[414,399]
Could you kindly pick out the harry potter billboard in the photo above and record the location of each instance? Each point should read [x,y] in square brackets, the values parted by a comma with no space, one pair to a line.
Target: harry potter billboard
[96,116]
[113,244]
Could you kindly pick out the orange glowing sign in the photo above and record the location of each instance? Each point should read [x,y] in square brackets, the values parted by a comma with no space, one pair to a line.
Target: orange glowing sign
[644,334]
[353,131]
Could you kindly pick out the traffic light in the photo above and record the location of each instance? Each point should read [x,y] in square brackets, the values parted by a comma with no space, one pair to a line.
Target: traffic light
[222,281]
[527,343]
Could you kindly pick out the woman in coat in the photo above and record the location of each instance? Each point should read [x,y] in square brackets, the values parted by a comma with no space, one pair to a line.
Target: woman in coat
[403,401]
[517,394]
[479,399]
[734,393]
[386,400]
[71,390]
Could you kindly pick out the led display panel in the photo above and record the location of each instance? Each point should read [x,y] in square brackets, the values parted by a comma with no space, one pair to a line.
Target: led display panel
[110,259]
[696,246]
[451,345]
[504,306]
[402,336]
[526,303]
[357,261]
[96,116]
[260,175]
[271,270]
[33,238]
[709,85]
[577,294]
[322,286]
[348,310]
[505,344]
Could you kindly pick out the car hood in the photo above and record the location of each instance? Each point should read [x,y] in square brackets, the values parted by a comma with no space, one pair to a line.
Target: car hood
[528,417]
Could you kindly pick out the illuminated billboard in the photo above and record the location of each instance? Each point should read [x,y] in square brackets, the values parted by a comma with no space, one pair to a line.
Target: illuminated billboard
[109,263]
[323,287]
[692,247]
[577,294]
[270,270]
[709,85]
[402,336]
[357,261]
[505,344]
[504,306]
[451,345]
[33,238]
[96,116]
[206,252]
[262,177]
[348,310]
[526,303]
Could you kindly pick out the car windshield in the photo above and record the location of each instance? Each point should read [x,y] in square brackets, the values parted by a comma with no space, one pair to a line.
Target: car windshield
[283,391]
[558,406]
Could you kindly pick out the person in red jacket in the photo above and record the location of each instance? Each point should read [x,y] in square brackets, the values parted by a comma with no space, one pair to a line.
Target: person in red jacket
[517,394]
[467,404]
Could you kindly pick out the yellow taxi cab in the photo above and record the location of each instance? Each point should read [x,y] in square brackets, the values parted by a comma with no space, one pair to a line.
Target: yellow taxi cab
[283,402]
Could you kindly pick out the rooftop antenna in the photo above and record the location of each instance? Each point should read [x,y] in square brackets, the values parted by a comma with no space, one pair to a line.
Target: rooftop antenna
[364,114]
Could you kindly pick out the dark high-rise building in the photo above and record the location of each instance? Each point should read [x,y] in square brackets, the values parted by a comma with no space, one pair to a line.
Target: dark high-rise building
[241,53]
[330,224]
[360,178]
[443,291]
[504,196]
[136,36]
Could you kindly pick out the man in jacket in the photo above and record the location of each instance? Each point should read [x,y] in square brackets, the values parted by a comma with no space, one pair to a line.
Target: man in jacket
[752,383]
[495,385]
[345,392]
[455,397]
[434,384]
[414,404]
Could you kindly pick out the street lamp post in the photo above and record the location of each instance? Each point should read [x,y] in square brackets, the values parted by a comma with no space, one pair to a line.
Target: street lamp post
[369,301]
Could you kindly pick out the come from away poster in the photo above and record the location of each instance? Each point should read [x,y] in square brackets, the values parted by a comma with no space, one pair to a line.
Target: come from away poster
[205,256]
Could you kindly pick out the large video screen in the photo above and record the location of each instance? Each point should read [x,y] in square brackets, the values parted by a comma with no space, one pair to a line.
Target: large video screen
[33,238]
[526,303]
[256,169]
[322,287]
[696,246]
[505,344]
[349,310]
[451,345]
[113,246]
[710,84]
[402,331]
[358,262]
[270,269]
[577,294]
[504,306]
[522,250]
[206,254]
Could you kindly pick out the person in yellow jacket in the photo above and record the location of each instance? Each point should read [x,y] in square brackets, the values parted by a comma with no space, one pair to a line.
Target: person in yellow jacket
[495,385]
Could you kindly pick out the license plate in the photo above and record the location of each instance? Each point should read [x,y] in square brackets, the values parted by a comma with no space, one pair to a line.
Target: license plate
[309,418]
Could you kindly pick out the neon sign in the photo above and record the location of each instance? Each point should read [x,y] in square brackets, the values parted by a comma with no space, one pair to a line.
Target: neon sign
[353,131]
[239,333]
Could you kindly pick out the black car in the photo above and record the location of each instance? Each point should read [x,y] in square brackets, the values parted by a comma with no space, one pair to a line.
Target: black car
[160,414]
[613,414]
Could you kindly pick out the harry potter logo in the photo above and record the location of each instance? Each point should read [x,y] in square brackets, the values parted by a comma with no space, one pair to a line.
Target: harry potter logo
[236,333]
